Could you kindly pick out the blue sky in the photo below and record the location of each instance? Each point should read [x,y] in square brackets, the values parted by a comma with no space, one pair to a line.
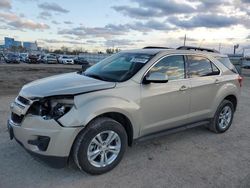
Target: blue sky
[99,24]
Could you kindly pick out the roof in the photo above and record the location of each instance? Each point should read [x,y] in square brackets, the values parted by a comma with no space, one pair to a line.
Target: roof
[149,51]
[156,50]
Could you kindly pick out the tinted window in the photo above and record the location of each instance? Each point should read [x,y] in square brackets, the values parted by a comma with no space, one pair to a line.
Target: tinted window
[200,66]
[227,63]
[172,66]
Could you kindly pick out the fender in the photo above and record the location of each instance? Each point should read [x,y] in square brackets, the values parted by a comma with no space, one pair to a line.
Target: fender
[224,91]
[89,106]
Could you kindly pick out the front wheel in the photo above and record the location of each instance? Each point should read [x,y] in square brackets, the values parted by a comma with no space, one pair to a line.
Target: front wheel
[100,147]
[223,117]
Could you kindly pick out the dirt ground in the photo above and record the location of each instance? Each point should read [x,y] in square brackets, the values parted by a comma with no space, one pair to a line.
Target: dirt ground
[192,158]
[14,76]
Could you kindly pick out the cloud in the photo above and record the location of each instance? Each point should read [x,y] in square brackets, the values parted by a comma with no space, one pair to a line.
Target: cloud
[210,5]
[52,7]
[45,15]
[68,22]
[167,7]
[55,41]
[147,9]
[107,31]
[5,4]
[140,13]
[111,30]
[55,22]
[5,17]
[28,24]
[91,41]
[19,23]
[204,20]
[120,42]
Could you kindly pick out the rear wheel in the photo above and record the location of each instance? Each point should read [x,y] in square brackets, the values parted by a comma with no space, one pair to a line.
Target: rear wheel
[101,146]
[223,117]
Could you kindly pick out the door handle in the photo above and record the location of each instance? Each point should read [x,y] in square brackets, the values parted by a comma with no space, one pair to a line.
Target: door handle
[183,88]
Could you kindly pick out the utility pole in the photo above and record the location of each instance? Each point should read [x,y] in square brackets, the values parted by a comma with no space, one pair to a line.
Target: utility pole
[185,38]
[219,47]
[235,47]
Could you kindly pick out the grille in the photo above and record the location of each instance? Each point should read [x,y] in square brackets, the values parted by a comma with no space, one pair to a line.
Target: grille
[23,100]
[16,118]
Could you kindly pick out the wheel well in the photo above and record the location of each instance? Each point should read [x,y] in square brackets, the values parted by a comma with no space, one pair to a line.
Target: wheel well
[233,100]
[124,121]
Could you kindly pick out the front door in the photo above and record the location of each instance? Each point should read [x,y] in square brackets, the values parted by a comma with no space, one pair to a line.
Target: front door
[165,105]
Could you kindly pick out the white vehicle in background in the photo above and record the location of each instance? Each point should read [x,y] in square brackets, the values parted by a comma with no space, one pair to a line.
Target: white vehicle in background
[66,60]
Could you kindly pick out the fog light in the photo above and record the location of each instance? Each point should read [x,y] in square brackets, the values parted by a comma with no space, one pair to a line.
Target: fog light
[41,142]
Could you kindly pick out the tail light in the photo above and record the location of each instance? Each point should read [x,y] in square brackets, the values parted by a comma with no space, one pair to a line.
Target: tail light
[240,79]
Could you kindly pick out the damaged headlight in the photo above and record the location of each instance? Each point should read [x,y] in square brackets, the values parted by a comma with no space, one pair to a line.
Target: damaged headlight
[52,108]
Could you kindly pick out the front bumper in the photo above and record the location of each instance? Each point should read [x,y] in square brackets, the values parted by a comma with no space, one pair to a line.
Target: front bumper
[57,146]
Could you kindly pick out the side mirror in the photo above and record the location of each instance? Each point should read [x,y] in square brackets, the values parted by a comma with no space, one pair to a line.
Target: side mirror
[155,77]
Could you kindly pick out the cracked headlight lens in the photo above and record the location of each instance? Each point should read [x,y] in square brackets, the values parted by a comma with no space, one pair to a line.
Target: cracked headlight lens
[52,108]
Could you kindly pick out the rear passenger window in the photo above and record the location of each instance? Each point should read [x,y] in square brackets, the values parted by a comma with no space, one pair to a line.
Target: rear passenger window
[200,66]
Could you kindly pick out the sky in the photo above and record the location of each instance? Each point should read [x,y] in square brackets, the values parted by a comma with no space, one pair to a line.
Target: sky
[127,24]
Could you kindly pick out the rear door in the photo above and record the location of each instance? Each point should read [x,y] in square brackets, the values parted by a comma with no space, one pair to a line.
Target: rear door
[205,81]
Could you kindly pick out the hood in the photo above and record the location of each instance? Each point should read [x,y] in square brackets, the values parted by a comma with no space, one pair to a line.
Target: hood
[64,84]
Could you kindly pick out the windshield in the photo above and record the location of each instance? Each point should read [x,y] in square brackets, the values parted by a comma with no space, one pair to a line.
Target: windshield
[119,67]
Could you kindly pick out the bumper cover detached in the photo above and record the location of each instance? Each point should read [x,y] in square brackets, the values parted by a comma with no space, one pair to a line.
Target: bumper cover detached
[44,139]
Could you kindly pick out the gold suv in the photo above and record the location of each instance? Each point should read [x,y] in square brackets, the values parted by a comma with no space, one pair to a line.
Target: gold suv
[132,95]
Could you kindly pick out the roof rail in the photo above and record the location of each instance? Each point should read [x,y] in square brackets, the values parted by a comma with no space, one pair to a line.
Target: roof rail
[197,49]
[156,47]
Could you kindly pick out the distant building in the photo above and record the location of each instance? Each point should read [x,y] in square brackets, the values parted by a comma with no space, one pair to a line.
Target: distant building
[17,43]
[30,45]
[11,42]
[8,42]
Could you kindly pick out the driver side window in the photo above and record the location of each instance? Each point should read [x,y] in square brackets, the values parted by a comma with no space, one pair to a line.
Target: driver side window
[172,66]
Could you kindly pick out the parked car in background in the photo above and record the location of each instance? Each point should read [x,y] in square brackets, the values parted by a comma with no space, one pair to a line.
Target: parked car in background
[92,116]
[24,57]
[246,63]
[81,61]
[66,60]
[2,58]
[41,58]
[12,58]
[33,58]
[51,59]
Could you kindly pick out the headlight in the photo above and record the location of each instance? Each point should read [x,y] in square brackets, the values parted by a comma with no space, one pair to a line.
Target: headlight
[52,108]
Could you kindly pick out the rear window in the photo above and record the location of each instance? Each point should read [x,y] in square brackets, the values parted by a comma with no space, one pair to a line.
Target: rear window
[226,61]
[199,67]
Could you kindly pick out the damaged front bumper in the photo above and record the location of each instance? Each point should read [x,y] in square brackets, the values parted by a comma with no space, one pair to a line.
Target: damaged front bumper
[46,139]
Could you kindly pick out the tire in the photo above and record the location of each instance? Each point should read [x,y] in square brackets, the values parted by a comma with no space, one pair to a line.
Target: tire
[216,125]
[84,146]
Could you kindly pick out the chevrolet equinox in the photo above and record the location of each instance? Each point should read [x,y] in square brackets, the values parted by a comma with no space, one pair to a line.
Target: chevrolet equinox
[94,115]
